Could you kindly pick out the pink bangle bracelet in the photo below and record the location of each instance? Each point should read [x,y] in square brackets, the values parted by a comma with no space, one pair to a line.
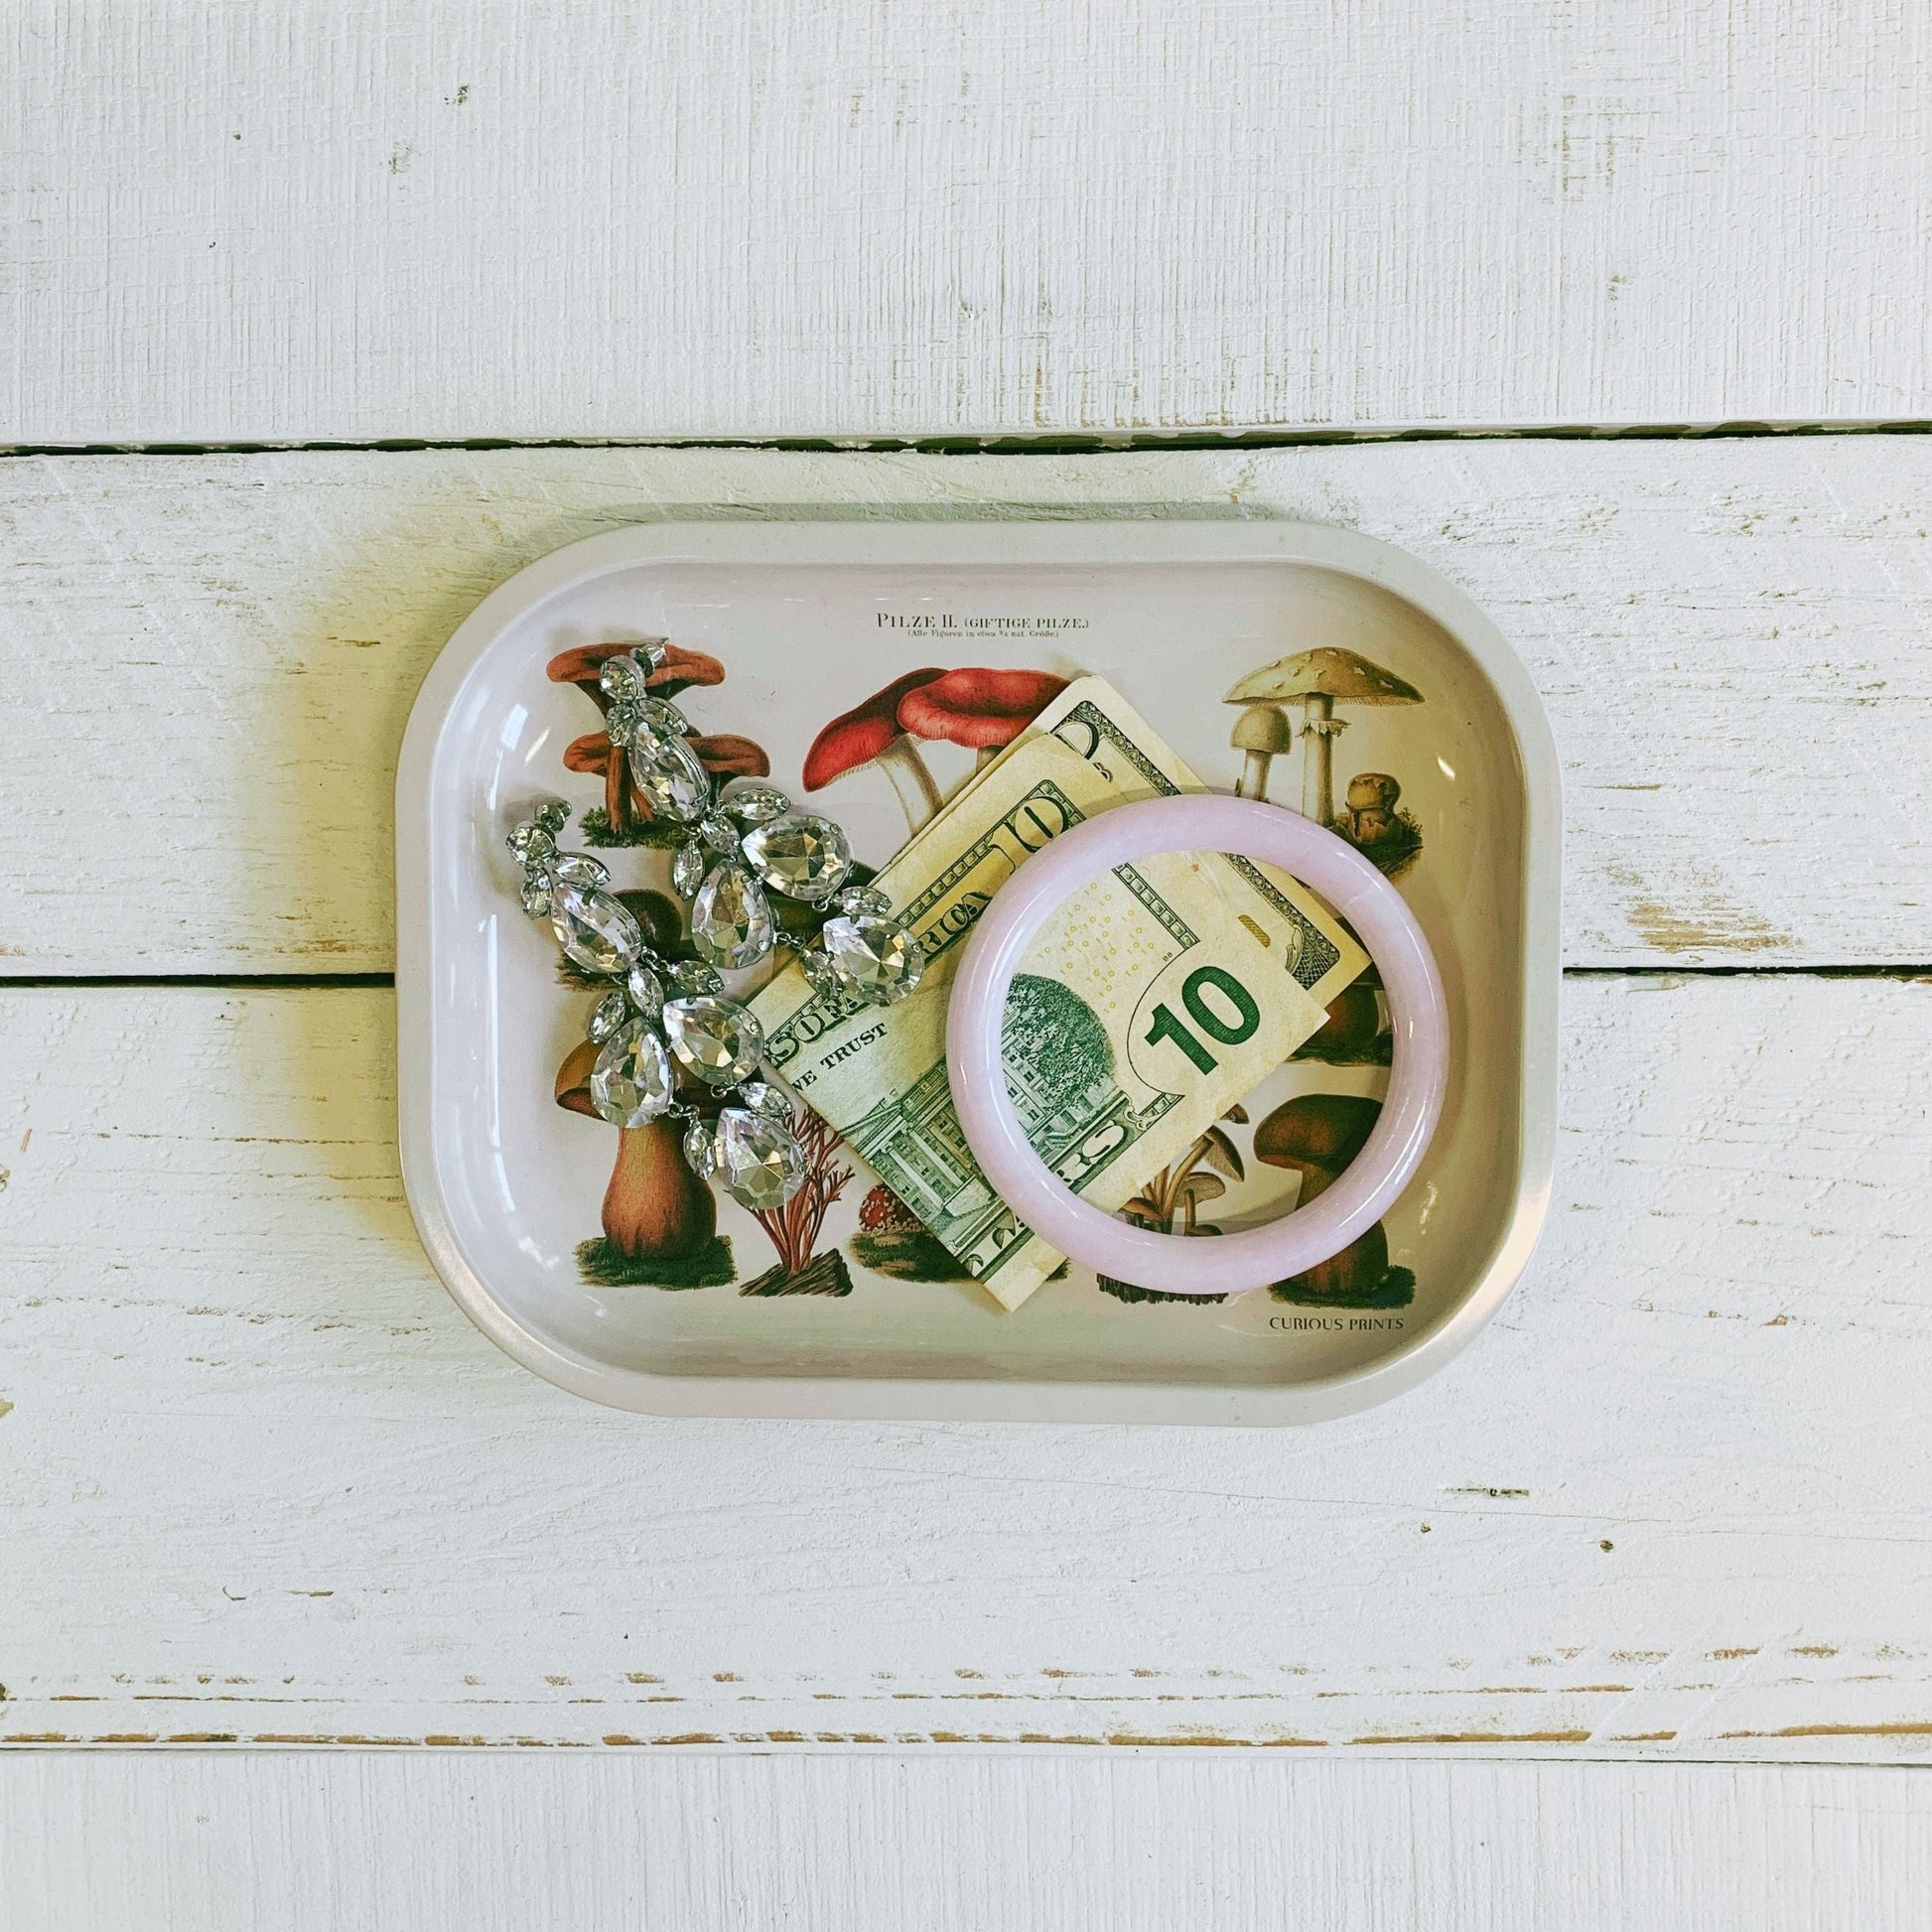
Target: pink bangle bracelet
[1176,1264]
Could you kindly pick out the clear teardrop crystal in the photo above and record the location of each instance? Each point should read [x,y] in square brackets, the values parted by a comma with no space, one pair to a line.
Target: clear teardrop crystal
[536,893]
[530,841]
[731,919]
[687,870]
[720,833]
[716,1040]
[863,899]
[800,855]
[874,955]
[576,869]
[632,1082]
[764,1098]
[646,989]
[763,1166]
[655,719]
[701,1148]
[620,726]
[671,782]
[611,1014]
[622,677]
[694,976]
[758,804]
[598,933]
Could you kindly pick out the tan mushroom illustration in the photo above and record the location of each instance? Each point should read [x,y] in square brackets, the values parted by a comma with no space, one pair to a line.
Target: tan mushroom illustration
[1317,1135]
[1318,681]
[975,706]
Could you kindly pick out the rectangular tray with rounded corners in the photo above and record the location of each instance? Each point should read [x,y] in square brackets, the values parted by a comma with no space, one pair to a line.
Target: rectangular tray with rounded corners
[1455,793]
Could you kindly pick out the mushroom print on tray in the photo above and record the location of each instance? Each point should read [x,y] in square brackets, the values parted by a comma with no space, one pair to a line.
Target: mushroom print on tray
[660,1219]
[984,710]
[1315,1135]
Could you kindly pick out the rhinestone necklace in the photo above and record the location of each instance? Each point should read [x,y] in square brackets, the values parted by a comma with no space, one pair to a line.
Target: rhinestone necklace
[661,1020]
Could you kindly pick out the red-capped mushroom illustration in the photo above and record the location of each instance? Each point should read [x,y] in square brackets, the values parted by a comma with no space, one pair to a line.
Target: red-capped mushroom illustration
[1317,1135]
[983,709]
[975,706]
[870,734]
[583,666]
[660,1223]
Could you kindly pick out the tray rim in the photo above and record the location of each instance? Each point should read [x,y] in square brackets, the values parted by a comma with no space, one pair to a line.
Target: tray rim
[980,543]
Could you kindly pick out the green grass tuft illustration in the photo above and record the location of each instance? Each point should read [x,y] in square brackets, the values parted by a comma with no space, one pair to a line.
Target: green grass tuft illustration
[602,1266]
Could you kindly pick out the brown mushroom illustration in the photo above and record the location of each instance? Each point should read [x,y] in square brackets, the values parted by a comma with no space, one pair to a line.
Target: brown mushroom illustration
[870,734]
[660,1223]
[583,666]
[1318,680]
[723,754]
[974,706]
[1317,1135]
[1376,825]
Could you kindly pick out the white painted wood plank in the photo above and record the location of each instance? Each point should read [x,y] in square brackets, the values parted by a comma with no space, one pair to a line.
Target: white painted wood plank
[206,664]
[265,1484]
[318,1842]
[463,219]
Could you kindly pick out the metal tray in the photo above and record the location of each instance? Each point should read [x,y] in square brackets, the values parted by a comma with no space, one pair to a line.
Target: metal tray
[1455,792]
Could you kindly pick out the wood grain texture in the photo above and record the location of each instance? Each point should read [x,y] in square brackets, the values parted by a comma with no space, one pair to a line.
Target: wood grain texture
[263,1484]
[515,218]
[1735,640]
[209,1843]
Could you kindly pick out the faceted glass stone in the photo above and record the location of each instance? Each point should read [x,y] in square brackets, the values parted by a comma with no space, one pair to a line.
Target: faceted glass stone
[877,958]
[863,898]
[701,1148]
[763,1166]
[694,976]
[764,1098]
[620,726]
[688,870]
[622,677]
[731,919]
[530,841]
[715,1040]
[598,932]
[800,855]
[818,968]
[632,1082]
[671,782]
[655,719]
[720,833]
[574,868]
[645,991]
[536,895]
[552,816]
[758,804]
[611,1014]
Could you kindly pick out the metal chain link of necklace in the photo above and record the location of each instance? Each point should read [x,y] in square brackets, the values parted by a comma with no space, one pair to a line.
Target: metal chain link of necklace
[662,1019]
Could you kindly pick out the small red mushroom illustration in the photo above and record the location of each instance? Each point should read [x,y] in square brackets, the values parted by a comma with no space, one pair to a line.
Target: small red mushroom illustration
[975,706]
[656,1209]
